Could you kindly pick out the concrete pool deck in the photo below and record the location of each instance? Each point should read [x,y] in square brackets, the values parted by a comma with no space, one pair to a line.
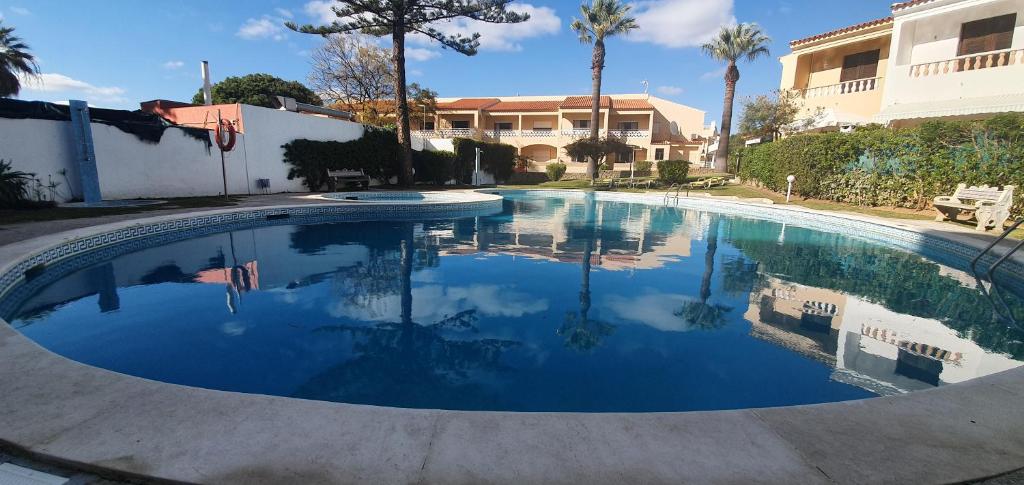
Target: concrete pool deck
[116,425]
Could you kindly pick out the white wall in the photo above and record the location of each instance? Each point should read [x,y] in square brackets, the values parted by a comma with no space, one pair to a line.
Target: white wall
[42,147]
[177,166]
[266,131]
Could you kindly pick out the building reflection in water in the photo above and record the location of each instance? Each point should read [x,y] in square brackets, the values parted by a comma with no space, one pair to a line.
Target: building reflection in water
[397,309]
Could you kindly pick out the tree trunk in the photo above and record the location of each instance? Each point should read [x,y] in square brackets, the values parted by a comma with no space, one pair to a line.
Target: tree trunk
[732,74]
[596,66]
[398,58]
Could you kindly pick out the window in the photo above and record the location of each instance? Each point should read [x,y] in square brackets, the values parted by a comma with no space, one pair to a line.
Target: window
[629,125]
[542,126]
[626,157]
[581,124]
[863,65]
[429,126]
[460,125]
[659,153]
[503,126]
[991,34]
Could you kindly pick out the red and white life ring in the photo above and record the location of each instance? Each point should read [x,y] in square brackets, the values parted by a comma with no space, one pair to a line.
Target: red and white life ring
[225,145]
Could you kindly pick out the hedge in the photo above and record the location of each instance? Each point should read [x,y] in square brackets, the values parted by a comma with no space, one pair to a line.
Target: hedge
[376,153]
[433,167]
[498,159]
[673,171]
[908,167]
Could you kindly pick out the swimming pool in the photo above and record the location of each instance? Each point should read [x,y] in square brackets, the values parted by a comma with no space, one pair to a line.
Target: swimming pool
[560,302]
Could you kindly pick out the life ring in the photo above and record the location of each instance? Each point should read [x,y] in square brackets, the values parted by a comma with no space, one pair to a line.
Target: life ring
[225,145]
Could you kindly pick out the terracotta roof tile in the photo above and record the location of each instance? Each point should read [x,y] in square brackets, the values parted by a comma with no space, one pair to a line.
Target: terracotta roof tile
[844,30]
[524,106]
[631,104]
[575,102]
[468,103]
[903,5]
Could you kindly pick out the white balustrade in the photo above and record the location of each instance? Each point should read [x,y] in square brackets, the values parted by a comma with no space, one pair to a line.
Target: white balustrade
[971,62]
[629,133]
[848,87]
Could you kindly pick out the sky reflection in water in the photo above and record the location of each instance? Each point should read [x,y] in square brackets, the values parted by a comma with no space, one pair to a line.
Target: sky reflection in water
[554,305]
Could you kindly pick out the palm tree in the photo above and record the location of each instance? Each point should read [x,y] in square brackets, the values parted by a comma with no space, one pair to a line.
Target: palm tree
[744,41]
[601,19]
[15,62]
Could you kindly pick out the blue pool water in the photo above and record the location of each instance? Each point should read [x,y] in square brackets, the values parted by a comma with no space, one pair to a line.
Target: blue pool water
[555,304]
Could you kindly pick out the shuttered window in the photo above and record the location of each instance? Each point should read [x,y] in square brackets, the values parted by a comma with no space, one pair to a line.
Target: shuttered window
[985,35]
[862,65]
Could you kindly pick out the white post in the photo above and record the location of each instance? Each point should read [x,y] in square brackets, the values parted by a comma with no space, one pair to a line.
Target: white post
[204,70]
[476,170]
[789,188]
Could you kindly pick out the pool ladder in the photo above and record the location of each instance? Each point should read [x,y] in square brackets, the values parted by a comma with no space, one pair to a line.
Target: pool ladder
[990,274]
[668,193]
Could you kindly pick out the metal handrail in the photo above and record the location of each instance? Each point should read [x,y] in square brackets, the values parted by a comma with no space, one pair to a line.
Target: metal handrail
[991,270]
[1008,315]
[669,190]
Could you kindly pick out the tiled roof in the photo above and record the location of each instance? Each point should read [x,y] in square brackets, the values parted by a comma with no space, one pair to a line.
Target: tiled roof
[903,5]
[573,102]
[844,30]
[631,104]
[468,103]
[525,106]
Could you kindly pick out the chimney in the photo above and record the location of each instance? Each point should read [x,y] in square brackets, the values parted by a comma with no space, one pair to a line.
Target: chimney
[207,95]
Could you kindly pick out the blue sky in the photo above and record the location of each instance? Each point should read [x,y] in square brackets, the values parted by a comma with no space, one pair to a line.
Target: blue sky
[116,53]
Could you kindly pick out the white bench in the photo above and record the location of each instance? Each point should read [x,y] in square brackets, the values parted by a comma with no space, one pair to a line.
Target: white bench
[344,178]
[989,205]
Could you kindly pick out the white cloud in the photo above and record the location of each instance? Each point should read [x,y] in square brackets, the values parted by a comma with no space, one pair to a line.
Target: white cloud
[320,11]
[680,23]
[416,73]
[502,37]
[172,65]
[716,74]
[432,303]
[656,310]
[21,11]
[50,84]
[670,90]
[420,54]
[284,12]
[266,27]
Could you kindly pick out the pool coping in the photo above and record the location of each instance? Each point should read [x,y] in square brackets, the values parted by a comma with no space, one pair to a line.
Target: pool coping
[123,426]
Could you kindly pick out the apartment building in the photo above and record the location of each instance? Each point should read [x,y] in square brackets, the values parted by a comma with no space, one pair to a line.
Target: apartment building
[541,126]
[931,59]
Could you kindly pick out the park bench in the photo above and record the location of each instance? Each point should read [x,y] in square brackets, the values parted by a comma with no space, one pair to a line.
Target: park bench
[344,178]
[990,206]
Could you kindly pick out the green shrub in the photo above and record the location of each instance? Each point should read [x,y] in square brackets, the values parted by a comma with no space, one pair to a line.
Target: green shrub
[642,166]
[433,167]
[13,186]
[673,171]
[376,153]
[497,159]
[908,167]
[555,170]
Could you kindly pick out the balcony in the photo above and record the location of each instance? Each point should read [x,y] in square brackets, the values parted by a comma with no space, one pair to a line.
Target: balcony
[629,134]
[971,62]
[577,132]
[538,133]
[848,87]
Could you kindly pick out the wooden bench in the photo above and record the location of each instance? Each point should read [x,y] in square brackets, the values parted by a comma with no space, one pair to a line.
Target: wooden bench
[989,205]
[344,178]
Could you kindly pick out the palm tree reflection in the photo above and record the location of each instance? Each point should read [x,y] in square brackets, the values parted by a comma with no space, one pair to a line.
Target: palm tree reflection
[580,332]
[701,314]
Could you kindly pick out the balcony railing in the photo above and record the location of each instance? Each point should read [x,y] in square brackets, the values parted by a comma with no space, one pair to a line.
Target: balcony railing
[629,133]
[537,133]
[577,132]
[848,87]
[971,62]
